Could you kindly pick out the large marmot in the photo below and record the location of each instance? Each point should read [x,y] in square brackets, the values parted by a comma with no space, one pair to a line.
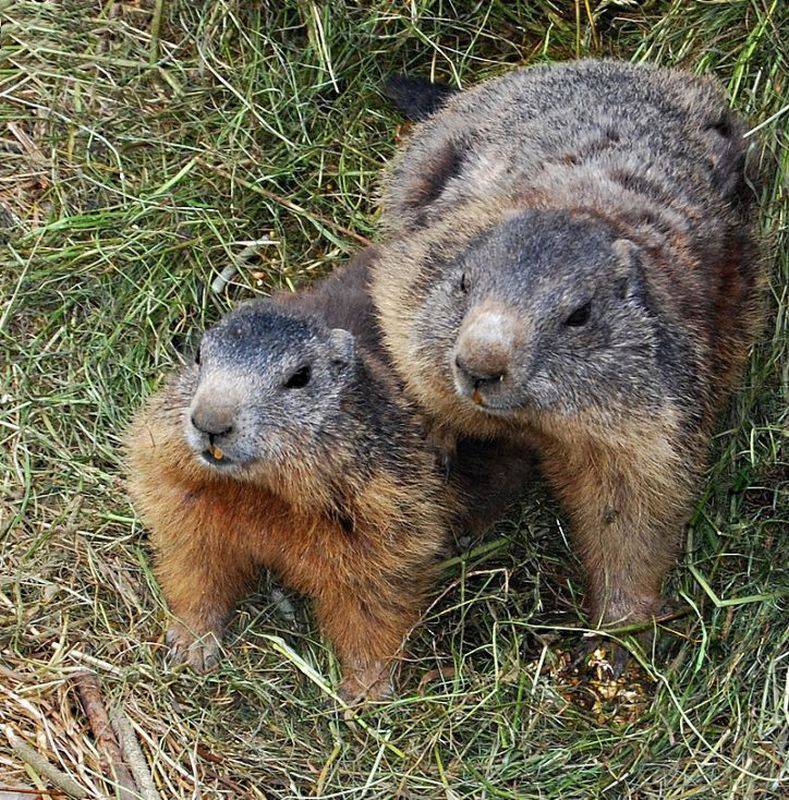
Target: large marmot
[572,263]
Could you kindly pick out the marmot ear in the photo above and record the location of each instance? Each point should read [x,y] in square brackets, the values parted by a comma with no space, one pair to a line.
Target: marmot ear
[343,345]
[416,98]
[426,178]
[629,271]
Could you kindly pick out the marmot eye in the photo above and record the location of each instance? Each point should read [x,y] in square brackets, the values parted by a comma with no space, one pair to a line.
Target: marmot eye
[299,379]
[464,282]
[580,316]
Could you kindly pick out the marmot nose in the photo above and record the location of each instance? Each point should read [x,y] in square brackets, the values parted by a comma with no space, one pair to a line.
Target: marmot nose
[215,421]
[485,345]
[479,374]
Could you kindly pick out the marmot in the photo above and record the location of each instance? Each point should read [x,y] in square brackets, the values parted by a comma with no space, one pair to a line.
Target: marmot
[288,446]
[573,262]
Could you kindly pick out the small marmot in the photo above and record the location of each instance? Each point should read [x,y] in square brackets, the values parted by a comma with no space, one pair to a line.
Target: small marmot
[573,263]
[288,446]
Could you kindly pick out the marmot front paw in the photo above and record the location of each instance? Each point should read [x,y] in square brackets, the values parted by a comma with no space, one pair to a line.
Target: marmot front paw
[202,655]
[368,683]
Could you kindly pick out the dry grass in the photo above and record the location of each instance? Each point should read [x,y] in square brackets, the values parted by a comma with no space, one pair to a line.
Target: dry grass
[141,144]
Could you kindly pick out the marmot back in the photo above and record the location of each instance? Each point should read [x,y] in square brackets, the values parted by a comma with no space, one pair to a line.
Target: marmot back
[573,262]
[665,134]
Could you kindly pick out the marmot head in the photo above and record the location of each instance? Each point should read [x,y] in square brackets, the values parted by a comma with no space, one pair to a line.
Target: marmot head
[544,312]
[268,390]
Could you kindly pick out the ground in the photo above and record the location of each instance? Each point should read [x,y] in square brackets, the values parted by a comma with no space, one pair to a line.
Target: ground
[145,145]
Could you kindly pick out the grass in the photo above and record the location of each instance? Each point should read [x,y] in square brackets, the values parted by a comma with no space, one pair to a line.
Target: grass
[144,146]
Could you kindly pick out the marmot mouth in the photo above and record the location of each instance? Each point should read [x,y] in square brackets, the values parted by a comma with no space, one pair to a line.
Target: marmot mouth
[494,410]
[221,461]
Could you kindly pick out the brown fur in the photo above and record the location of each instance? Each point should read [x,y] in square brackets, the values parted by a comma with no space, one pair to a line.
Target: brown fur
[212,537]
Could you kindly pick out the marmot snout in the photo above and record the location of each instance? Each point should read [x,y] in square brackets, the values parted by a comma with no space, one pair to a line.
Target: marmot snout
[482,359]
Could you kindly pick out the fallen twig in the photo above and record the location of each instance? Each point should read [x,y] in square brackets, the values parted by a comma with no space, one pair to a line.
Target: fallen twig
[445,673]
[42,766]
[20,793]
[133,755]
[225,276]
[156,25]
[89,691]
